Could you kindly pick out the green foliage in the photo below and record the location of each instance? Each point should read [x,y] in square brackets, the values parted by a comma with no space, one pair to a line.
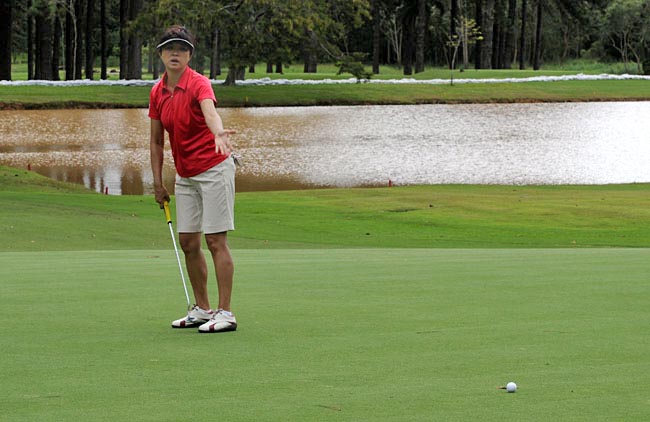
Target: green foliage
[266,30]
[468,33]
[353,63]
[287,31]
[626,29]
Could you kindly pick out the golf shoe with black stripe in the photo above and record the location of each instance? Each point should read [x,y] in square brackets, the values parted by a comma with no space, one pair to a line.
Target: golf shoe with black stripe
[195,317]
[220,322]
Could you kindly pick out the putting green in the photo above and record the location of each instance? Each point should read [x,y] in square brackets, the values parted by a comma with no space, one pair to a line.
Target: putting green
[346,335]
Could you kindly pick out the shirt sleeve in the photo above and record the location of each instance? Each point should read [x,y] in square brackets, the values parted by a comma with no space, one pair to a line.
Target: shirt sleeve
[205,91]
[153,104]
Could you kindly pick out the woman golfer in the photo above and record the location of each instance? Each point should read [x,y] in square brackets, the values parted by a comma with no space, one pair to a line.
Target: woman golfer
[183,103]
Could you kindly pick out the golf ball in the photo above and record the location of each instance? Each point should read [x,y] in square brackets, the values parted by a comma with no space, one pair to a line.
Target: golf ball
[511,387]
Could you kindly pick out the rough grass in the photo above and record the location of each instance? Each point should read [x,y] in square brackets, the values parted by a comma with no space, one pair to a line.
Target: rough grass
[55,216]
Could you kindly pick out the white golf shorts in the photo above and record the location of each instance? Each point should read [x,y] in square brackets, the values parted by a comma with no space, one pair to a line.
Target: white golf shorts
[206,202]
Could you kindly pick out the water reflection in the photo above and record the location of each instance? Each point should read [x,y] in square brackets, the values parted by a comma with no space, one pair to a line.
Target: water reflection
[299,147]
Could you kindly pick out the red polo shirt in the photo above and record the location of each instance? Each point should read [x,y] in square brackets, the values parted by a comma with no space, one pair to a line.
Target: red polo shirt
[192,142]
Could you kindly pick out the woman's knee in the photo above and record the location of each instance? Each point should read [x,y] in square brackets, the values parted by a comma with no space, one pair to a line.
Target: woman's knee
[216,242]
[190,242]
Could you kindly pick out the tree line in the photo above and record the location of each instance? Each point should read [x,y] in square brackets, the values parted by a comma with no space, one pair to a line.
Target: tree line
[80,36]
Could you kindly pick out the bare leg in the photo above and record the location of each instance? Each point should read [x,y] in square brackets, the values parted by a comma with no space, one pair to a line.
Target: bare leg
[224,266]
[196,267]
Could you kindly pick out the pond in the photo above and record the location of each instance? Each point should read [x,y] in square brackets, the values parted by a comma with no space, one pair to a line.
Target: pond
[312,147]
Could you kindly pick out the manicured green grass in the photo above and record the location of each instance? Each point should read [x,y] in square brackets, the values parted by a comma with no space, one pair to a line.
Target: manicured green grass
[345,94]
[49,217]
[360,94]
[346,335]
[330,70]
[101,96]
[352,304]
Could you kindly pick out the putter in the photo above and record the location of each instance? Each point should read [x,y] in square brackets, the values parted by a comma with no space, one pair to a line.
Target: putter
[168,216]
[237,159]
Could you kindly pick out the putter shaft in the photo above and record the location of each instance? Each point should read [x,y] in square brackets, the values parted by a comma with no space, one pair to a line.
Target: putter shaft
[178,258]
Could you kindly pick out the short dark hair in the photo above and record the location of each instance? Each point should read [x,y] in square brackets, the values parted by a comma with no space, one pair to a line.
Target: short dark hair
[177,33]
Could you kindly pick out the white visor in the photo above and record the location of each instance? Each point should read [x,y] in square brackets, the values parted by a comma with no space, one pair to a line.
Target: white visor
[175,40]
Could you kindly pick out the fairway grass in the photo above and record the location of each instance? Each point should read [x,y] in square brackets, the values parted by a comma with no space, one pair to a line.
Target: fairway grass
[386,304]
[330,335]
[57,97]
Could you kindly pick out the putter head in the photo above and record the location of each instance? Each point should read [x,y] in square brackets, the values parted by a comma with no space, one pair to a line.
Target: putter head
[237,159]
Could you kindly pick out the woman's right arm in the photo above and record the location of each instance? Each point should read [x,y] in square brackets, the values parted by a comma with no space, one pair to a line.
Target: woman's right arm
[157,147]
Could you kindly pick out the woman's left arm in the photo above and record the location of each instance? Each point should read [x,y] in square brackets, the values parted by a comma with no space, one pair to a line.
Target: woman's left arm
[213,120]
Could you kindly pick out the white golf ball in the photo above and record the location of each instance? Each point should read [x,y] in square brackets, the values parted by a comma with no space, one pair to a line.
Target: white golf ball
[511,387]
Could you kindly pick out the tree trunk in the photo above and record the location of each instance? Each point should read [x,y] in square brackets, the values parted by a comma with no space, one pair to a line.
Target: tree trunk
[453,31]
[6,9]
[465,43]
[103,43]
[522,39]
[78,59]
[69,44]
[453,17]
[306,57]
[198,58]
[478,47]
[278,67]
[409,49]
[151,58]
[234,73]
[30,43]
[124,41]
[421,29]
[310,57]
[310,62]
[496,46]
[497,35]
[269,67]
[43,43]
[230,77]
[488,35]
[155,68]
[90,26]
[218,53]
[56,47]
[215,57]
[134,50]
[510,42]
[537,56]
[376,36]
[388,53]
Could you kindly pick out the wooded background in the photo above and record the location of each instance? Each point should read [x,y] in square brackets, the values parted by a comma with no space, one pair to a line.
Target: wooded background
[90,38]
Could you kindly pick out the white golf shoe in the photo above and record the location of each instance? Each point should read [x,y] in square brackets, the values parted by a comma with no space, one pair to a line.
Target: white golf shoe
[219,323]
[196,316]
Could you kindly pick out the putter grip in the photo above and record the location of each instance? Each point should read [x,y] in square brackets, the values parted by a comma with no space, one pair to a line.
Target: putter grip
[168,216]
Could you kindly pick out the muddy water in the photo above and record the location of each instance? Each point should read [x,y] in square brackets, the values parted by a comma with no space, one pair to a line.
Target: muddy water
[308,147]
